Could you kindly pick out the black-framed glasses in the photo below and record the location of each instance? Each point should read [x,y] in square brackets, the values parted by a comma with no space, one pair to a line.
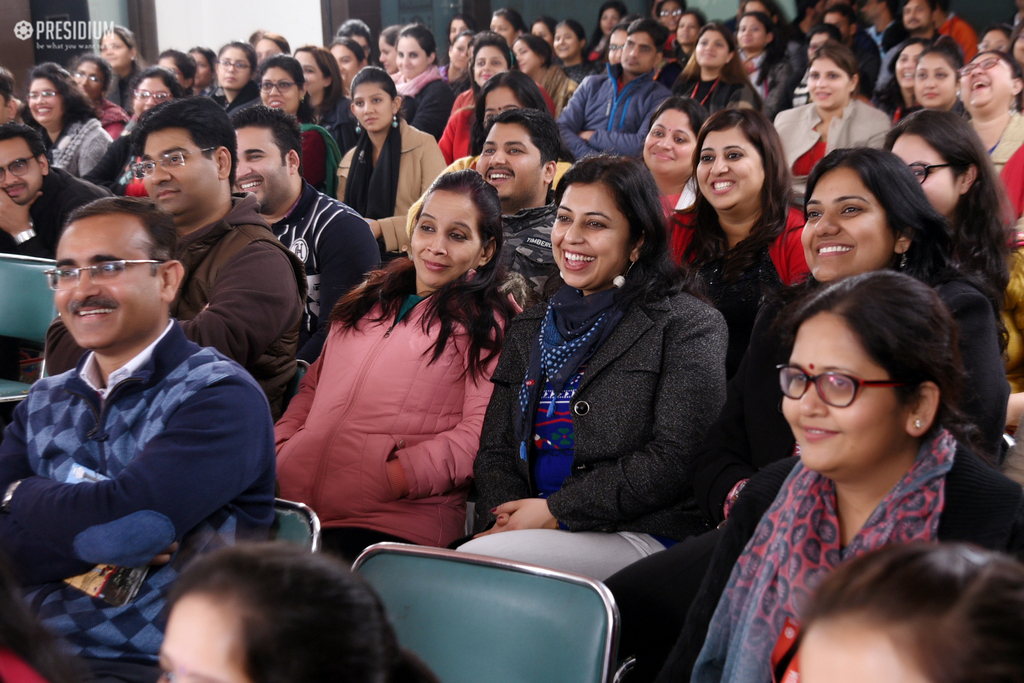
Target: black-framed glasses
[147,167]
[922,171]
[228,64]
[68,278]
[18,167]
[835,388]
[282,86]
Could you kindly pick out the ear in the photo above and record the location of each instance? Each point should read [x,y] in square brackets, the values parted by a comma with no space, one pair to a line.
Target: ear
[634,255]
[1017,85]
[902,244]
[771,37]
[396,105]
[433,58]
[548,172]
[965,180]
[44,163]
[856,83]
[352,107]
[924,409]
[487,254]
[171,274]
[292,161]
[222,157]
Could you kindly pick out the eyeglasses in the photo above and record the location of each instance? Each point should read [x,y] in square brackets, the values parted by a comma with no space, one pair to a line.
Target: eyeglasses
[92,78]
[41,94]
[148,167]
[984,65]
[670,13]
[922,171]
[68,278]
[614,48]
[18,167]
[228,64]
[282,86]
[150,95]
[834,388]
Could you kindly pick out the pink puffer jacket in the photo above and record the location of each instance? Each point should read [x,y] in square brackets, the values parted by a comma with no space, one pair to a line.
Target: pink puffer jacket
[371,397]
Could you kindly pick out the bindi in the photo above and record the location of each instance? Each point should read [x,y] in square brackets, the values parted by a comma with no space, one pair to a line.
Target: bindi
[811,366]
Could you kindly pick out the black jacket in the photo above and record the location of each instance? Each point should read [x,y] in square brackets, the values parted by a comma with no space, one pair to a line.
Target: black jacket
[112,170]
[62,194]
[430,109]
[248,96]
[982,507]
[647,397]
[751,432]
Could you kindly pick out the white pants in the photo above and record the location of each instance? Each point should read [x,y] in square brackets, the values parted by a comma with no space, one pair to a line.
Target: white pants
[592,553]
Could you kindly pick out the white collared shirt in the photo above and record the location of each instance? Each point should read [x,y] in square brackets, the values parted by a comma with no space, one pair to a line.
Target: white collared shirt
[90,373]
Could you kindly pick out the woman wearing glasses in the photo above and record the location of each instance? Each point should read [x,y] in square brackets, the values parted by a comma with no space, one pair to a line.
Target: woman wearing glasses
[116,170]
[57,108]
[283,86]
[235,65]
[93,75]
[961,184]
[871,386]
[865,212]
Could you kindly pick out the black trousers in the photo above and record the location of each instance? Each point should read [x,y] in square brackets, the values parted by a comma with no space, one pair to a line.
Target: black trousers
[654,596]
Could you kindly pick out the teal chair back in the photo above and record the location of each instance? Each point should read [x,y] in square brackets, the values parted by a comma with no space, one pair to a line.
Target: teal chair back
[295,523]
[26,301]
[292,388]
[26,308]
[472,618]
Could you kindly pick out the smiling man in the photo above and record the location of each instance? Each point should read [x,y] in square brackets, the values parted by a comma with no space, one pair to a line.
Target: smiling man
[609,112]
[243,291]
[35,198]
[518,159]
[150,451]
[334,243]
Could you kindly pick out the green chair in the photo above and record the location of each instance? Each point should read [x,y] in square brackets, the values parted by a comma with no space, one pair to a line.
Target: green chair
[295,523]
[472,618]
[292,388]
[26,308]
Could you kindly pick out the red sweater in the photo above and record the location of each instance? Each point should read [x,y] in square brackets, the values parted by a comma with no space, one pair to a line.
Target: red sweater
[786,252]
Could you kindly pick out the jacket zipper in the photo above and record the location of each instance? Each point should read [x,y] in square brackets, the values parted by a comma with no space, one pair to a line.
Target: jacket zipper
[324,459]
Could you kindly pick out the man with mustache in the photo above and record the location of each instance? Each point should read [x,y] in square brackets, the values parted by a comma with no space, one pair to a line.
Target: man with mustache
[334,243]
[35,198]
[243,290]
[519,157]
[115,474]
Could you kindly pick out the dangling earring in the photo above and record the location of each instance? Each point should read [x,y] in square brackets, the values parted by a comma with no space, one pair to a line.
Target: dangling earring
[903,261]
[620,280]
[394,121]
[358,129]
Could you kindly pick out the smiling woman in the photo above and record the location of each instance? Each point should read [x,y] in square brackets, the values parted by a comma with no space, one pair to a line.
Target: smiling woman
[669,148]
[406,370]
[561,484]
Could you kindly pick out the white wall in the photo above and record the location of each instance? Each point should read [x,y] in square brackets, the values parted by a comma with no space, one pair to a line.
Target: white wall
[182,24]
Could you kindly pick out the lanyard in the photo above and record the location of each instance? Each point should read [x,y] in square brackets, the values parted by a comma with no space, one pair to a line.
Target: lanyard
[694,95]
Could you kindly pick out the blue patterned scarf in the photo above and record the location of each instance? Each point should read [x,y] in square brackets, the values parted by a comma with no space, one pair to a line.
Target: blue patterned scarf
[573,328]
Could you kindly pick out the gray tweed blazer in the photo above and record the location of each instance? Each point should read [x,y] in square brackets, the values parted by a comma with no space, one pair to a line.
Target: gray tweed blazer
[647,397]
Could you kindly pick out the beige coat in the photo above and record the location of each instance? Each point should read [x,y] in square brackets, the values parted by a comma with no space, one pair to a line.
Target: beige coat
[860,126]
[420,165]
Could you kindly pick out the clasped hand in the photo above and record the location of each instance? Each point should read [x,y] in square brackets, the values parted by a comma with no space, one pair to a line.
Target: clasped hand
[526,513]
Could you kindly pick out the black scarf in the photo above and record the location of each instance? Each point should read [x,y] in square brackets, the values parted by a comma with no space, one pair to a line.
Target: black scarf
[371,190]
[574,327]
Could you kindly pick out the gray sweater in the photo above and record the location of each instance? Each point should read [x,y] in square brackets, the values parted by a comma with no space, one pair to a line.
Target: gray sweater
[80,146]
[647,397]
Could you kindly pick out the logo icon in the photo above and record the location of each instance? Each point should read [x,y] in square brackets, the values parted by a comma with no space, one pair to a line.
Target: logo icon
[23,30]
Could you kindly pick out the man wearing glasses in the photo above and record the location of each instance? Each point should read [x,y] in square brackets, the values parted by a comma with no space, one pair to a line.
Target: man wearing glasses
[243,291]
[35,198]
[115,474]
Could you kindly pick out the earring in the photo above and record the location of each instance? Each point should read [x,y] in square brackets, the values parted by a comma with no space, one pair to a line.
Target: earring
[358,129]
[917,424]
[619,281]
[394,121]
[903,261]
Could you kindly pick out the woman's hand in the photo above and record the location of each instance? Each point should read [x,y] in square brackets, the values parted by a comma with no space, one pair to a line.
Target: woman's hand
[527,513]
[375,227]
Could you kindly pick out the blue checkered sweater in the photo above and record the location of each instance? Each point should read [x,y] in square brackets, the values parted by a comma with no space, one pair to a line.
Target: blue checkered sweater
[184,450]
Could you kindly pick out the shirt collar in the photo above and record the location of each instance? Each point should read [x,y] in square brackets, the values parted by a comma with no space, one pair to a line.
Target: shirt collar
[90,372]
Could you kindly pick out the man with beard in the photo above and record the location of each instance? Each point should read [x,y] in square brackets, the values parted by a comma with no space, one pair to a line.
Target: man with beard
[334,243]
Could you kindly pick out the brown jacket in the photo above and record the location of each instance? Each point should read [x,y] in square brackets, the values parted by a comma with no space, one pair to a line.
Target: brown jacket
[420,165]
[242,295]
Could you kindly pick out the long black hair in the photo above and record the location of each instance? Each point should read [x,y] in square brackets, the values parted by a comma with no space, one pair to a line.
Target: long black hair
[890,97]
[653,276]
[77,105]
[597,36]
[981,231]
[471,302]
[521,85]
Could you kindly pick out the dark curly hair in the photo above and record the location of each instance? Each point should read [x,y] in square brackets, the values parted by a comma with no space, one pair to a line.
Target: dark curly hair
[77,106]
